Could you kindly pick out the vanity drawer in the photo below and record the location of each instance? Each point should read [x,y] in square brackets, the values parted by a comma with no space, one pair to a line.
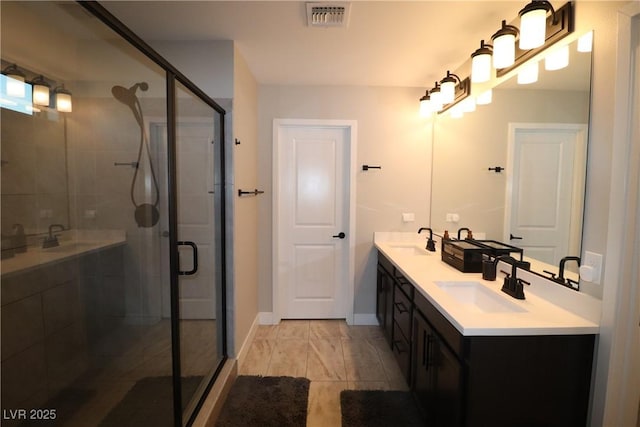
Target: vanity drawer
[402,311]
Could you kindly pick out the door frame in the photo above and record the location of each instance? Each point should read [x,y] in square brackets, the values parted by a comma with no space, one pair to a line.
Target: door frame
[348,288]
[577,197]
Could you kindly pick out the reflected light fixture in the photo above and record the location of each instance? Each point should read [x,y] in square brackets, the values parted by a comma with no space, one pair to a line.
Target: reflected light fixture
[456,112]
[557,59]
[585,42]
[533,24]
[468,105]
[15,81]
[528,74]
[63,100]
[41,91]
[485,97]
[504,46]
[448,88]
[481,63]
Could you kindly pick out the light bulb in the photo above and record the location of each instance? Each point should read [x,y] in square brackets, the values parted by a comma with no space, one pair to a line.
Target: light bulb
[528,74]
[585,42]
[485,97]
[557,59]
[533,29]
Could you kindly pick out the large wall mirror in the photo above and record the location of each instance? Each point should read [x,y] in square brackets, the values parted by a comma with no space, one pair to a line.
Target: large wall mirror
[537,135]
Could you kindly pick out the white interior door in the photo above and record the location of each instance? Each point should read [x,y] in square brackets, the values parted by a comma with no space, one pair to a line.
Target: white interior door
[543,190]
[195,160]
[312,209]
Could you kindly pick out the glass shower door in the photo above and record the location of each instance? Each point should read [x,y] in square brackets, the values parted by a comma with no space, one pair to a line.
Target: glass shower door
[199,235]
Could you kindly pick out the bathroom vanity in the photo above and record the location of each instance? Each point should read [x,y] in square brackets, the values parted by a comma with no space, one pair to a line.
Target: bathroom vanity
[473,355]
[55,303]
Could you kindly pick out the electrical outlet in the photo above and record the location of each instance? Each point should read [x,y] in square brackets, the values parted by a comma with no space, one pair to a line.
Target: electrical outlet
[453,217]
[408,217]
[591,267]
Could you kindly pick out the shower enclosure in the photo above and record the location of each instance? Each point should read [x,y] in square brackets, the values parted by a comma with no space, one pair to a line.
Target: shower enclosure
[113,225]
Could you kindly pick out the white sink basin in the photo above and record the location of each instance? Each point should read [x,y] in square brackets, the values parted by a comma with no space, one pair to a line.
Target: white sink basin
[476,297]
[409,249]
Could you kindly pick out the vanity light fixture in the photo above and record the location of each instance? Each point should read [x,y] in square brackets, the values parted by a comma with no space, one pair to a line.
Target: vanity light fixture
[557,59]
[448,87]
[533,23]
[585,42]
[425,105]
[41,91]
[63,100]
[481,63]
[15,81]
[436,97]
[528,74]
[504,45]
[485,97]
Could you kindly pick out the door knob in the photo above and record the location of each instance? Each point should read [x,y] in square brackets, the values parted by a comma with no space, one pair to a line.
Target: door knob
[340,235]
[512,237]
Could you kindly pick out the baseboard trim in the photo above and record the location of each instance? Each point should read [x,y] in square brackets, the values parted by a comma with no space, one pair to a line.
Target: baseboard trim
[365,319]
[266,318]
[244,350]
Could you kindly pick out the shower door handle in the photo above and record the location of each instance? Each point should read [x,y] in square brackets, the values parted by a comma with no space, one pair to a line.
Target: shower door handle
[195,259]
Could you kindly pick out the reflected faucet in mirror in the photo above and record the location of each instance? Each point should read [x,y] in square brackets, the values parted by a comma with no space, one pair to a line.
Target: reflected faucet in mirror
[572,284]
[51,241]
[431,246]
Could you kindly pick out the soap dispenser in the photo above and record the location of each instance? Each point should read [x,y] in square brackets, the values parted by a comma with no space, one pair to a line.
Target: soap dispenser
[19,240]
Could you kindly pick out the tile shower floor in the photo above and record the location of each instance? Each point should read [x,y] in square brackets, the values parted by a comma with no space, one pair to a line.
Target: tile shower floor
[333,355]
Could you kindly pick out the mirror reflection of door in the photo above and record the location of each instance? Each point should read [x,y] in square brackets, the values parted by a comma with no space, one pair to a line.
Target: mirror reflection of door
[545,186]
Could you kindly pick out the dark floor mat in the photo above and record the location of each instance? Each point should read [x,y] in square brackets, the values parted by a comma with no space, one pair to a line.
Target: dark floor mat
[375,408]
[266,402]
[149,403]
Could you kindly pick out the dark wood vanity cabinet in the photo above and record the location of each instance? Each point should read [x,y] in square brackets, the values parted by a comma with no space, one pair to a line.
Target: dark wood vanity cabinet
[532,380]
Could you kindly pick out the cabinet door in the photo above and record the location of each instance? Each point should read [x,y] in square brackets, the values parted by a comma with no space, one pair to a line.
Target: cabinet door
[384,302]
[448,373]
[423,374]
[437,376]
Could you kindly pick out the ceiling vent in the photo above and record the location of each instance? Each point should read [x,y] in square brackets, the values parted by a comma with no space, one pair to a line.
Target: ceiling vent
[328,14]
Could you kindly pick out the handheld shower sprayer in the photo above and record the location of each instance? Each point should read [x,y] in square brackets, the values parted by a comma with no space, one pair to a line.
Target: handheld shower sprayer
[146,214]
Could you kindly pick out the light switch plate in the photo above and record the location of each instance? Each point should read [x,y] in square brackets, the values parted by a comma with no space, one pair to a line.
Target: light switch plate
[594,261]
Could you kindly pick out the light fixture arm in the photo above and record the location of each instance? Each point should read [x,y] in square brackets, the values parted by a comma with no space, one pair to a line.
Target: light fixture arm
[506,29]
[451,78]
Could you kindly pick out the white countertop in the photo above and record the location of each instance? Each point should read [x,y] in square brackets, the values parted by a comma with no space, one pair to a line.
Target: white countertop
[548,308]
[73,243]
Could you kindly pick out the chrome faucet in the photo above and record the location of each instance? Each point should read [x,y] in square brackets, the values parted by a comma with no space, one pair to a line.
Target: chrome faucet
[512,284]
[431,246]
[51,241]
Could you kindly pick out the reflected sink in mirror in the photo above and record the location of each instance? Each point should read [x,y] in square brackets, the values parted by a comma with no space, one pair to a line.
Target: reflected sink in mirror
[476,297]
[70,247]
[409,249]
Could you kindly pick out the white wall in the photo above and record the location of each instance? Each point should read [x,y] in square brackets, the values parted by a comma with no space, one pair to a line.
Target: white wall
[390,134]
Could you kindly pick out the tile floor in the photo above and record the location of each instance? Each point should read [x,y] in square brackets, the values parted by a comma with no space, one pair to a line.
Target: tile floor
[333,355]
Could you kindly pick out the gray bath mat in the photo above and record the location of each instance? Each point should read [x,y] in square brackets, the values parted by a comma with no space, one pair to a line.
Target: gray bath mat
[375,408]
[266,402]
